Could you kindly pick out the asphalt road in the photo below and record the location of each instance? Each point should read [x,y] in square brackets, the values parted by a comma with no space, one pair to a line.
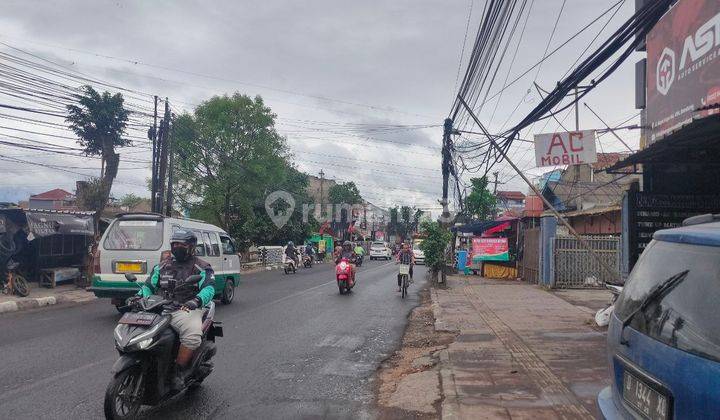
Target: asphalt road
[293,347]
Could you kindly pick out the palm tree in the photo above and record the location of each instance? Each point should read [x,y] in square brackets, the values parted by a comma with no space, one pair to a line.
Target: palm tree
[99,121]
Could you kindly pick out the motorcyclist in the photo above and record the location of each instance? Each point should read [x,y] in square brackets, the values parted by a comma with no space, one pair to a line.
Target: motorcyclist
[309,250]
[359,250]
[405,256]
[291,253]
[186,320]
[347,253]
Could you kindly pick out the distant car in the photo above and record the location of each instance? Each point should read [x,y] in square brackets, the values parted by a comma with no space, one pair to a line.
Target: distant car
[418,253]
[379,250]
[664,335]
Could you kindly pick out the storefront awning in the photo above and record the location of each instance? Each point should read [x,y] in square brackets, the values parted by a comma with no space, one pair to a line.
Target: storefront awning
[698,142]
[476,227]
[41,223]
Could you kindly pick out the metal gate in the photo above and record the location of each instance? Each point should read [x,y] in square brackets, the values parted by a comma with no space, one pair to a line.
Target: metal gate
[530,262]
[574,267]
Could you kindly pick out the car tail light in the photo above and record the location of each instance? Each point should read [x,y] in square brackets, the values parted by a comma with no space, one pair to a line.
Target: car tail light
[96,262]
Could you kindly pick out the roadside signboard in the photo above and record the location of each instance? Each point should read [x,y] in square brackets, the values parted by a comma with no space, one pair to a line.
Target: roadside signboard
[490,249]
[379,235]
[565,148]
[683,66]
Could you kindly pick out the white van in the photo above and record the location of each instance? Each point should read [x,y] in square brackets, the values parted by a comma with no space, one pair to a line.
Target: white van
[135,243]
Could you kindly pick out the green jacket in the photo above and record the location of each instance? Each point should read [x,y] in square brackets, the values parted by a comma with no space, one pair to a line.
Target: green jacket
[181,271]
[359,250]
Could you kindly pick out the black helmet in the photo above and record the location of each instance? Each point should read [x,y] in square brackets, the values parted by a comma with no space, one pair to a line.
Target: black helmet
[188,240]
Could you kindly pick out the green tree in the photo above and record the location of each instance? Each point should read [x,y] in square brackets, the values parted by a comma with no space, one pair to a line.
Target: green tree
[130,200]
[435,244]
[480,203]
[229,158]
[99,121]
[404,221]
[345,193]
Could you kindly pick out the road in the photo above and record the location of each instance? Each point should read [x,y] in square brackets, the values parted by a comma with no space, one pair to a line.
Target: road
[293,347]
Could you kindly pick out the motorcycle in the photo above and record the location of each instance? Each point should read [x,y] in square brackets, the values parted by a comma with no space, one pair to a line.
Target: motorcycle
[148,346]
[359,260]
[344,276]
[15,282]
[602,317]
[307,261]
[290,266]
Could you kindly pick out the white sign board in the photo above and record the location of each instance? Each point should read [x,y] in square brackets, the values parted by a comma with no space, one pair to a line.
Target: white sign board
[566,148]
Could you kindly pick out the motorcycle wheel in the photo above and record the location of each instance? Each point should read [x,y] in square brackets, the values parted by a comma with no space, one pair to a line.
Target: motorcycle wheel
[342,289]
[20,285]
[120,404]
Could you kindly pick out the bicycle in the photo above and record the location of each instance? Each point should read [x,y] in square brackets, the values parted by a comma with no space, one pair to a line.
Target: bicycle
[404,271]
[16,283]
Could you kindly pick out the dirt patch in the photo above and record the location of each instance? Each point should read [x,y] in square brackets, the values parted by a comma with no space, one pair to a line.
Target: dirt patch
[417,353]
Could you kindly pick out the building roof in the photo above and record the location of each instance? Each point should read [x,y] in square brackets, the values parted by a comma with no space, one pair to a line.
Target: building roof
[707,234]
[510,195]
[52,195]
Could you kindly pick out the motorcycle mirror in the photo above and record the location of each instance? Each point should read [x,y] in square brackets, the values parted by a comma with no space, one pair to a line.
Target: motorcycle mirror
[130,277]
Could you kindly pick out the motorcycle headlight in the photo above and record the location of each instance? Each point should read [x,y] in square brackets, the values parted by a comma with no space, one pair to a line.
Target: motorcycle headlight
[343,265]
[142,345]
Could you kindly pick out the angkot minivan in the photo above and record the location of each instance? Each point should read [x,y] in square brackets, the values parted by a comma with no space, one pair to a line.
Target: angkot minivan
[664,334]
[135,242]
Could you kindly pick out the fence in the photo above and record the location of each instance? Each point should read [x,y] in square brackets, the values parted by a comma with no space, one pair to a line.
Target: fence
[574,267]
[529,265]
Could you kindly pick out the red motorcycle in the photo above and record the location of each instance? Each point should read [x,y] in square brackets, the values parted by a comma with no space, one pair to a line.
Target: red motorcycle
[344,276]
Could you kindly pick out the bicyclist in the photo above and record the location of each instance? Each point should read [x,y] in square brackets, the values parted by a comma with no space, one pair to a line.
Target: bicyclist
[405,256]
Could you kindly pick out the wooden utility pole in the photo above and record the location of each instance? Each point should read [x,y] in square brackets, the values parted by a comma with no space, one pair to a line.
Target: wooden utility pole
[612,272]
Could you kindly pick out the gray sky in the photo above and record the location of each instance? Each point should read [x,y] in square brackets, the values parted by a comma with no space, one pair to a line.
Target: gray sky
[375,62]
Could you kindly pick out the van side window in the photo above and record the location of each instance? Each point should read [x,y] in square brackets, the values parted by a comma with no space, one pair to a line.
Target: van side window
[210,251]
[200,248]
[227,245]
[215,243]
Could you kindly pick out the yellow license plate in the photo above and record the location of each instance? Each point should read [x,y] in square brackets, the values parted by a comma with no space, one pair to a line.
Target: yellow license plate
[129,267]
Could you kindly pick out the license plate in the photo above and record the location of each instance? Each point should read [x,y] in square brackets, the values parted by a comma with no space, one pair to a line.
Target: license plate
[645,399]
[129,267]
[135,318]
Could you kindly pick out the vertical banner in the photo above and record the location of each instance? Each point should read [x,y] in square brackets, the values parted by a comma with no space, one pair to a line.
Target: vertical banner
[565,148]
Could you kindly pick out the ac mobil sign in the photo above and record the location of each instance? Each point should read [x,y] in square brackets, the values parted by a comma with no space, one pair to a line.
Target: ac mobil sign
[683,66]
[565,148]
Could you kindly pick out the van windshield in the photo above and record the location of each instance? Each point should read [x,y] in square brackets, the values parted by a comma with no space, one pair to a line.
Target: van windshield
[685,317]
[141,235]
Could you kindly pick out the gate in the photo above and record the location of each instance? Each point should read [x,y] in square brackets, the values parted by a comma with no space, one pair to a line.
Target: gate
[574,267]
[529,265]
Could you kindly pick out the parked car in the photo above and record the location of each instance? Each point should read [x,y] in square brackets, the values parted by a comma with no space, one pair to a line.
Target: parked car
[417,252]
[664,335]
[136,242]
[380,250]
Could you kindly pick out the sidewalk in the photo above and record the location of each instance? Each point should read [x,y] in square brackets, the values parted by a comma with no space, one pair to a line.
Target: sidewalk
[42,296]
[521,352]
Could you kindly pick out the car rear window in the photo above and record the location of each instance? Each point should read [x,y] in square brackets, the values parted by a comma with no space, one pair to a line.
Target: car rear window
[141,235]
[685,317]
[377,245]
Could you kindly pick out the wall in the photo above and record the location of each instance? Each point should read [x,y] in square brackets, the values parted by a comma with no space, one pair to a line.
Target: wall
[42,204]
[598,224]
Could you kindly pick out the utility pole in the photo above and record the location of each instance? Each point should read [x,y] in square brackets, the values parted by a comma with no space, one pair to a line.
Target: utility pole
[169,204]
[446,166]
[605,266]
[322,199]
[163,146]
[495,174]
[152,135]
[577,111]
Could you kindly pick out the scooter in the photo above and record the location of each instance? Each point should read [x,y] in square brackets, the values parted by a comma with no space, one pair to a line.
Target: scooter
[307,261]
[290,266]
[359,260]
[602,317]
[344,276]
[148,347]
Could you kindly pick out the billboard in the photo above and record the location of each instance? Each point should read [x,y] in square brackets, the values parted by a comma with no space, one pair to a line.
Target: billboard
[683,68]
[565,148]
[490,249]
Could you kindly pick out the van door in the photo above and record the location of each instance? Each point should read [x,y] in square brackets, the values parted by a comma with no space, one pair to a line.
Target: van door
[231,260]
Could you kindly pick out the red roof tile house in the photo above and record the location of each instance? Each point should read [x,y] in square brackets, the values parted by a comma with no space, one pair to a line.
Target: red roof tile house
[510,200]
[57,199]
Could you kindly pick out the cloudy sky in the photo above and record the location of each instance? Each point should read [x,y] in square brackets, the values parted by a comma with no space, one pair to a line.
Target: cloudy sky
[360,88]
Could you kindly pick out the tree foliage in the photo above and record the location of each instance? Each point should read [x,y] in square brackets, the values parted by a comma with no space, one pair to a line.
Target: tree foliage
[130,200]
[345,193]
[228,158]
[99,121]
[480,203]
[404,221]
[435,244]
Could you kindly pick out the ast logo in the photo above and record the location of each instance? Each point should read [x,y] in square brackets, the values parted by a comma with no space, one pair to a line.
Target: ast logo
[666,71]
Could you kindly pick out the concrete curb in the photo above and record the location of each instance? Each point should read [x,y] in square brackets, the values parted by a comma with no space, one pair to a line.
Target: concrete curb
[450,407]
[34,303]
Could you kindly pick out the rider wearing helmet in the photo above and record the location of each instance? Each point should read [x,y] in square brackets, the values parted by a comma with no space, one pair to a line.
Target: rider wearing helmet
[186,320]
[348,254]
[291,253]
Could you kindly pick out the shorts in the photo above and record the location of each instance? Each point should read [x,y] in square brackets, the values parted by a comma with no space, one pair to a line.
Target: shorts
[188,325]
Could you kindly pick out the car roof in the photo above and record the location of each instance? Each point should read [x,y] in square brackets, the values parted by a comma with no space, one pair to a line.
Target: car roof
[707,234]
